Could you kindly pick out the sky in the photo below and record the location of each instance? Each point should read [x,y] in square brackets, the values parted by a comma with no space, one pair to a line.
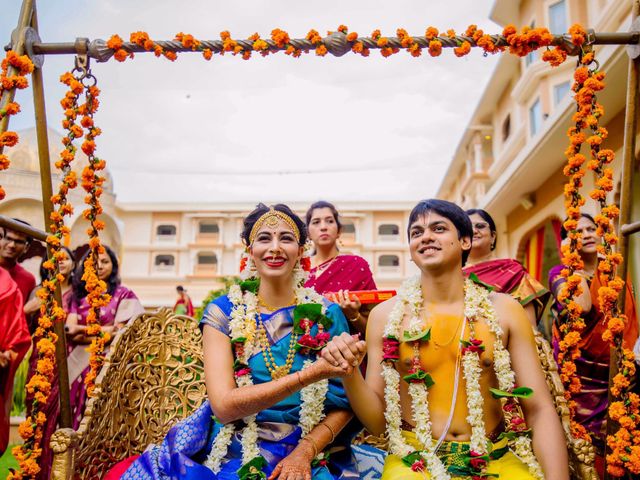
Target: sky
[276,128]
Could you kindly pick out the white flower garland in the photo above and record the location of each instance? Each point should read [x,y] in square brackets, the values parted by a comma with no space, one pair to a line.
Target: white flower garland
[477,306]
[243,323]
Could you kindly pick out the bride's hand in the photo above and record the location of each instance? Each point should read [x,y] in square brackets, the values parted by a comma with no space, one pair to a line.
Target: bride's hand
[322,369]
[345,351]
[296,465]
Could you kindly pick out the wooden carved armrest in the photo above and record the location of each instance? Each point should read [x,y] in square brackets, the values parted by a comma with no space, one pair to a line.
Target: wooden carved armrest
[63,443]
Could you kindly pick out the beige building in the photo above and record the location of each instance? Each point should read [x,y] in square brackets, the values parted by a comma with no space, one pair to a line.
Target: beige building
[194,245]
[510,158]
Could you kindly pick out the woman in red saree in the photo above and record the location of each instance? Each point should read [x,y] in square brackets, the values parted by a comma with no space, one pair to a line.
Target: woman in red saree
[14,344]
[505,274]
[332,272]
[593,364]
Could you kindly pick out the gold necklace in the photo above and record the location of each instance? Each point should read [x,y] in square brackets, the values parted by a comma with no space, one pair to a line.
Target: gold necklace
[276,371]
[271,308]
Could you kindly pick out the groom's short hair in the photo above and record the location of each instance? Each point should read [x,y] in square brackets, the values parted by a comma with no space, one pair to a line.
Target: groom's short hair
[449,210]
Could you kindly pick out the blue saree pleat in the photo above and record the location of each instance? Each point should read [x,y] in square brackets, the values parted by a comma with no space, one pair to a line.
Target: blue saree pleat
[187,445]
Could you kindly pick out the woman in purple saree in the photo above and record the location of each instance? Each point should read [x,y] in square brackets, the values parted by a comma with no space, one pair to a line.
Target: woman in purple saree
[332,272]
[123,307]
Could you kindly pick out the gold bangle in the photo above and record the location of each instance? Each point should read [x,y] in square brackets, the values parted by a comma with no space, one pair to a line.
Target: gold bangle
[313,444]
[333,434]
[353,320]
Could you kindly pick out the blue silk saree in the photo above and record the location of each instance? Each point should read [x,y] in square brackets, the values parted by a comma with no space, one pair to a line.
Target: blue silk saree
[187,445]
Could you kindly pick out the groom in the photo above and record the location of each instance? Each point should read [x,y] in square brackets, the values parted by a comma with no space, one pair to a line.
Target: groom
[453,389]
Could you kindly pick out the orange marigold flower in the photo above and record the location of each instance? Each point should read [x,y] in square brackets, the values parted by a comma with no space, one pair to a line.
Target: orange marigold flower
[578,34]
[358,47]
[4,162]
[321,51]
[376,34]
[581,74]
[11,109]
[435,48]
[431,33]
[352,37]
[451,33]
[8,139]
[207,54]
[344,29]
[313,36]
[280,37]
[115,42]
[616,410]
[382,42]
[121,55]
[463,49]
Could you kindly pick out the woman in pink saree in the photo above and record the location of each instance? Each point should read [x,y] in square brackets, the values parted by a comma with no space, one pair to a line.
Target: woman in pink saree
[334,273]
[123,307]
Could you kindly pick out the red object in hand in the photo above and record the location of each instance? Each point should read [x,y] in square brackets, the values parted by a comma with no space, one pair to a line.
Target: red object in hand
[368,296]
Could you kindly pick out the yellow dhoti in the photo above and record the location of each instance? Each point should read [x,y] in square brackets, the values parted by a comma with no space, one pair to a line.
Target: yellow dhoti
[508,467]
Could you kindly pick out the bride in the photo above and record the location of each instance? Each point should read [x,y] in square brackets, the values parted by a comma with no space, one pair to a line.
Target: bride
[275,409]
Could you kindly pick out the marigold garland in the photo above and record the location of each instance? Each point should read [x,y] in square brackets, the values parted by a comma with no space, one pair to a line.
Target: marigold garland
[523,43]
[625,443]
[92,183]
[13,72]
[624,409]
[40,383]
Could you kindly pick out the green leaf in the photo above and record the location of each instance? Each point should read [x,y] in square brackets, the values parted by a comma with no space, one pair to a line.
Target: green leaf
[423,336]
[475,279]
[253,470]
[250,285]
[419,375]
[520,392]
[499,452]
[312,311]
[238,340]
[412,458]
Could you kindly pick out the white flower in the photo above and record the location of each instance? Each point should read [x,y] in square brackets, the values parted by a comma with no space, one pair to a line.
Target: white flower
[524,451]
[220,447]
[312,408]
[392,413]
[475,402]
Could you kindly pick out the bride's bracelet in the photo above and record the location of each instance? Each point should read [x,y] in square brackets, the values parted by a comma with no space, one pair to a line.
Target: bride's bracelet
[333,433]
[313,444]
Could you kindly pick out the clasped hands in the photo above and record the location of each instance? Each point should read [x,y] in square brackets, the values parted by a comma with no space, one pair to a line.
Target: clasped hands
[342,355]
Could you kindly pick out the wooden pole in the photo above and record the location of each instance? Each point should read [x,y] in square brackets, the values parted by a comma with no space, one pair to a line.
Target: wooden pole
[47,207]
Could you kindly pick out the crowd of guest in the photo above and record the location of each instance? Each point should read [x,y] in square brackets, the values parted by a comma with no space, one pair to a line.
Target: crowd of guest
[19,312]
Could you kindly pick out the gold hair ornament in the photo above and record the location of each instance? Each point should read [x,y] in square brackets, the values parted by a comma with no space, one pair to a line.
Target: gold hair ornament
[271,220]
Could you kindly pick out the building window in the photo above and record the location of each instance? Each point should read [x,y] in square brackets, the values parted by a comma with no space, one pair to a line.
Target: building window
[348,228]
[388,230]
[166,230]
[207,259]
[560,91]
[506,128]
[208,227]
[535,117]
[558,17]
[164,261]
[531,57]
[386,261]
